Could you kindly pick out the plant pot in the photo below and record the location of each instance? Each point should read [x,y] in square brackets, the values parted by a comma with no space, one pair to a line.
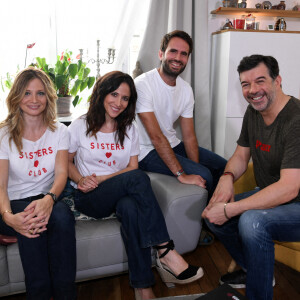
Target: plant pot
[64,106]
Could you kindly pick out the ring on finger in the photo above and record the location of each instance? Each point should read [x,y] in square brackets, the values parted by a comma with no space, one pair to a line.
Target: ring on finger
[30,231]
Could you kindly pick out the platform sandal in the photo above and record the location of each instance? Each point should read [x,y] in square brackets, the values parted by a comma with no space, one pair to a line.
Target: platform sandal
[189,275]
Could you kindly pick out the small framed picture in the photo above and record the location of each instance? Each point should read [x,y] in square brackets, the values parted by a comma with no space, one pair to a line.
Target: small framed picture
[270,27]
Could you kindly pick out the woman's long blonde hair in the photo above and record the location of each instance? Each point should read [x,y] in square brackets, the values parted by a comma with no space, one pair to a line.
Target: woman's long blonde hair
[14,122]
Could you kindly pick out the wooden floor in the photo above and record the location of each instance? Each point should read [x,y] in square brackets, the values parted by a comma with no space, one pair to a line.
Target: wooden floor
[214,259]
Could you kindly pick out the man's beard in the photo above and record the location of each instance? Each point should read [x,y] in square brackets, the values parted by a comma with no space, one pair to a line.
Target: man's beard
[167,70]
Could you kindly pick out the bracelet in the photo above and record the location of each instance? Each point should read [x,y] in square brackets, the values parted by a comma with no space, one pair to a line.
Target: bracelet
[178,173]
[80,179]
[6,211]
[229,173]
[225,212]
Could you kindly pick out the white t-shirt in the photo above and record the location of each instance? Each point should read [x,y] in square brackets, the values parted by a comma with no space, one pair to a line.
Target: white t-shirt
[102,156]
[31,172]
[167,102]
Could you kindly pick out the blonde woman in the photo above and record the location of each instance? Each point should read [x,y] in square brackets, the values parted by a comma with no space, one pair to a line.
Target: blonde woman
[34,164]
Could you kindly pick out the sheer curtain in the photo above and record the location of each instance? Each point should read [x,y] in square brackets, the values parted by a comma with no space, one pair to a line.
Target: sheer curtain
[22,24]
[113,22]
[192,17]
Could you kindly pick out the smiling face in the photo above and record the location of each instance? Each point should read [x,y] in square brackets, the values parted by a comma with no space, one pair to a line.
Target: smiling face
[175,58]
[258,88]
[34,101]
[117,101]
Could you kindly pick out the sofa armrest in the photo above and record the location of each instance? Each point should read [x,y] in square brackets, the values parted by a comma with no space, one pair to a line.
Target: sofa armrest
[182,206]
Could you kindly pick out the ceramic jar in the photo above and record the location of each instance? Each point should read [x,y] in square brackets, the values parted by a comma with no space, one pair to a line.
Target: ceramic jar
[226,3]
[233,3]
[243,4]
[250,22]
[281,5]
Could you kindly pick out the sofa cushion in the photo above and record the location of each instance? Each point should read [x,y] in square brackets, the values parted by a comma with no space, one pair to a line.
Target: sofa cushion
[99,244]
[3,266]
[15,268]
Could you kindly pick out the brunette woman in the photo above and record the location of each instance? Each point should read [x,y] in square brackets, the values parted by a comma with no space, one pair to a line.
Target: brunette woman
[103,166]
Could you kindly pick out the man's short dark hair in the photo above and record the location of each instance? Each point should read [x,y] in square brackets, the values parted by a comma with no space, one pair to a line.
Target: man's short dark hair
[250,62]
[176,33]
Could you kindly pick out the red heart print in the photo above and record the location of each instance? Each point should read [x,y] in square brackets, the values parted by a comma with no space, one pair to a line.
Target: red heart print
[108,154]
[36,163]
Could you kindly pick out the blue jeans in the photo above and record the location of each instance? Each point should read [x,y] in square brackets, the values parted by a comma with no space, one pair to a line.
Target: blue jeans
[49,261]
[249,239]
[142,223]
[210,167]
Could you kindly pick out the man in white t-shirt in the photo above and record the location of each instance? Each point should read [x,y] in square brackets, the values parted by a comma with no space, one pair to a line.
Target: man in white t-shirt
[164,97]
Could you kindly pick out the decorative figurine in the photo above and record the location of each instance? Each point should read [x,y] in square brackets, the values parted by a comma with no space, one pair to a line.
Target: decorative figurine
[280,24]
[228,25]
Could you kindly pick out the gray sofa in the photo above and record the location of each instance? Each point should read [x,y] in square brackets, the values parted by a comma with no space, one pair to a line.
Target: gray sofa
[100,250]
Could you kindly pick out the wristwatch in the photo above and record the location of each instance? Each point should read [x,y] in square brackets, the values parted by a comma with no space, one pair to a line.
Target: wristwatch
[178,173]
[53,196]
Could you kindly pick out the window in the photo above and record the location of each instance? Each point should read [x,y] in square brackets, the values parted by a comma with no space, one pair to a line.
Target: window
[56,25]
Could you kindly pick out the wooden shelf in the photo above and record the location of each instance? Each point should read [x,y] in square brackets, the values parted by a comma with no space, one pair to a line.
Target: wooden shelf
[256,12]
[256,31]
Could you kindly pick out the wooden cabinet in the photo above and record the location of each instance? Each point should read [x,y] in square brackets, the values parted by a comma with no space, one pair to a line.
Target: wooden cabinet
[228,103]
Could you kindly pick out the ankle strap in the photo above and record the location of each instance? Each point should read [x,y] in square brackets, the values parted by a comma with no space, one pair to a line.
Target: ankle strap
[169,246]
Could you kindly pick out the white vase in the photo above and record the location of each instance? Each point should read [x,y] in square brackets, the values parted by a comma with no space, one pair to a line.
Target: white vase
[64,106]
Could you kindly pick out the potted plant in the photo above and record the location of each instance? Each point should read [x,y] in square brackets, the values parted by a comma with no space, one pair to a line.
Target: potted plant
[70,79]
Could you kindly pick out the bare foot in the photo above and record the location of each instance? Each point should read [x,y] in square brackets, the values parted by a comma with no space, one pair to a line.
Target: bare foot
[174,261]
[145,294]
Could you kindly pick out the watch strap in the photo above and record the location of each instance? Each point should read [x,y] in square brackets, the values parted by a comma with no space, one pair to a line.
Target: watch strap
[53,196]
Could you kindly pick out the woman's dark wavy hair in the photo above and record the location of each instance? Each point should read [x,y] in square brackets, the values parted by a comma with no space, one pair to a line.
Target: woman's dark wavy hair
[95,116]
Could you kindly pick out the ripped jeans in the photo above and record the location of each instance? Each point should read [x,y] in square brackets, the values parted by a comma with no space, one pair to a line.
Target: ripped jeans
[249,240]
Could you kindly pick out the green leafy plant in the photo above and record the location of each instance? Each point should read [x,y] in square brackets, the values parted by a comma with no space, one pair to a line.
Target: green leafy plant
[70,78]
[7,82]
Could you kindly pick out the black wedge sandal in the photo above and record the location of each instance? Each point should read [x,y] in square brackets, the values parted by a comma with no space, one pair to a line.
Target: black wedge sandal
[189,275]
